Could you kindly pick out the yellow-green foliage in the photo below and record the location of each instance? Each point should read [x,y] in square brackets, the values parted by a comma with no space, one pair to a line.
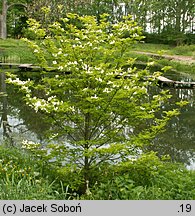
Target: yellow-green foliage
[147,178]
[96,100]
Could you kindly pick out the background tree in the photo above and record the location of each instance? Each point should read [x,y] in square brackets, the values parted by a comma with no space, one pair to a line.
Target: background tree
[58,9]
[5,7]
[170,21]
[166,21]
[46,11]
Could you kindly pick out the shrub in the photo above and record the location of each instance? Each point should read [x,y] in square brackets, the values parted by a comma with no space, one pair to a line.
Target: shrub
[147,178]
[21,177]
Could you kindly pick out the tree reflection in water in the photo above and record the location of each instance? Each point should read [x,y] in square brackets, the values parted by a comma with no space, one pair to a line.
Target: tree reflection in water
[178,140]
[19,122]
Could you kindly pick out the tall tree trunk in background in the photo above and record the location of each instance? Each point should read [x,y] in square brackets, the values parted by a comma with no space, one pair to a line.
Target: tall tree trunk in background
[178,20]
[3,20]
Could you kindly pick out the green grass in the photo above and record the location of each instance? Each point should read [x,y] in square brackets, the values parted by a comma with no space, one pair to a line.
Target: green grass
[186,50]
[180,66]
[15,51]
[23,178]
[142,59]
[25,189]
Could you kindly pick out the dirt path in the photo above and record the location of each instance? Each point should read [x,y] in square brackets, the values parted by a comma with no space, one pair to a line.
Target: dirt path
[183,59]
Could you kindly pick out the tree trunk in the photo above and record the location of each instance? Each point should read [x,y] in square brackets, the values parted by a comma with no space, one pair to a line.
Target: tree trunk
[86,158]
[178,17]
[3,20]
[4,118]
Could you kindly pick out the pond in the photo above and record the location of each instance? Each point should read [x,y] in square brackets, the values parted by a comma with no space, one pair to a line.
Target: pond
[19,122]
[179,138]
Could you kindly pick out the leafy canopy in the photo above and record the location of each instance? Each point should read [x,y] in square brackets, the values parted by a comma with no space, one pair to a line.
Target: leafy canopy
[96,100]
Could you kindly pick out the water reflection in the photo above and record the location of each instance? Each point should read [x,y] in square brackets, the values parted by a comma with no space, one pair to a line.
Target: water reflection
[19,122]
[179,139]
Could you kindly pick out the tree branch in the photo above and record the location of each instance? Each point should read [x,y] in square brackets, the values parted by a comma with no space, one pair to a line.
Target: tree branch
[13,4]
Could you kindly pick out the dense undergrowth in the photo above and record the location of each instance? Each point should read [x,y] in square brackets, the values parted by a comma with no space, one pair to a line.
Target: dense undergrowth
[148,178]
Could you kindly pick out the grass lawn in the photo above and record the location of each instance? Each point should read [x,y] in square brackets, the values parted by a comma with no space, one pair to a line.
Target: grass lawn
[15,51]
[166,49]
[183,66]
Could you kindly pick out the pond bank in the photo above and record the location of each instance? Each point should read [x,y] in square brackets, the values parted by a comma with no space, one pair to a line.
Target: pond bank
[177,58]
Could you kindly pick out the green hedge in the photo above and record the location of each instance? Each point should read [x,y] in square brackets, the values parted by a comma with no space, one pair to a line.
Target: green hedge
[170,39]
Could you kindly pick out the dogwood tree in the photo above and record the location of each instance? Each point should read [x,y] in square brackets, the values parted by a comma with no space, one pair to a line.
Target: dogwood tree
[96,99]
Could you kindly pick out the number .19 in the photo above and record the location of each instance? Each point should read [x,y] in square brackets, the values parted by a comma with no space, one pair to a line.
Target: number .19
[186,208]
